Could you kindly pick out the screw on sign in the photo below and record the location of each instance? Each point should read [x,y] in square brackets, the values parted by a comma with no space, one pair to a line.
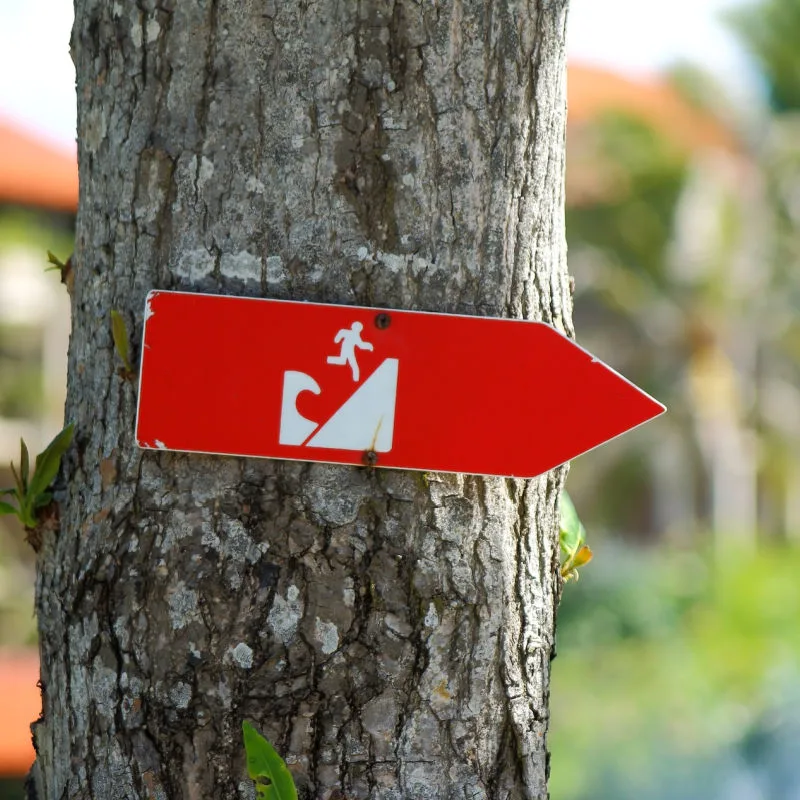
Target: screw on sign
[354,385]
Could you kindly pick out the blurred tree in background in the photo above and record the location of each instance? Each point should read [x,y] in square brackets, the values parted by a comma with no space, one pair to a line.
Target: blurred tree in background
[678,673]
[771,30]
[663,256]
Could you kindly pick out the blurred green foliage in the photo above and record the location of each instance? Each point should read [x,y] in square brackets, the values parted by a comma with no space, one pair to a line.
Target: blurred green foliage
[677,674]
[38,228]
[12,789]
[17,577]
[633,225]
[21,376]
[21,383]
[771,31]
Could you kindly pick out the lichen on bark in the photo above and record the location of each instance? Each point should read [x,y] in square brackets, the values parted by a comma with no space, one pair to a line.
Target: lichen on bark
[390,633]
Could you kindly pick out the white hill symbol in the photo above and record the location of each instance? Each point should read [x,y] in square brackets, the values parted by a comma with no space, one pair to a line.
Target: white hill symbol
[364,422]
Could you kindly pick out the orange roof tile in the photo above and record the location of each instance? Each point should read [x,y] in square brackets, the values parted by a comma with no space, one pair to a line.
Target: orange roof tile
[36,173]
[20,704]
[591,91]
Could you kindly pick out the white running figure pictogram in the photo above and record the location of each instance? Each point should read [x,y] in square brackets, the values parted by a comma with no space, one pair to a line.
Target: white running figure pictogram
[350,338]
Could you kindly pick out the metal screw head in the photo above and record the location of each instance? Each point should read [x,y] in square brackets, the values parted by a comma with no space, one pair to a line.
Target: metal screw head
[382,320]
[370,458]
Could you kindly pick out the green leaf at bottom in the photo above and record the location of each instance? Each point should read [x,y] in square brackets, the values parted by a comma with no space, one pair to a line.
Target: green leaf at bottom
[264,764]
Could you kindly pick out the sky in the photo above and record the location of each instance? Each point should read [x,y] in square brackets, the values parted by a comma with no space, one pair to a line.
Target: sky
[635,36]
[643,36]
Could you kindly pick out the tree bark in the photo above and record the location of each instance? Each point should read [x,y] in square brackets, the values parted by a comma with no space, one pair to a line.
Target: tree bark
[389,632]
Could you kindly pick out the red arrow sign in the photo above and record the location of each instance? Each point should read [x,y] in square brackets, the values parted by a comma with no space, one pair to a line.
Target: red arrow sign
[353,385]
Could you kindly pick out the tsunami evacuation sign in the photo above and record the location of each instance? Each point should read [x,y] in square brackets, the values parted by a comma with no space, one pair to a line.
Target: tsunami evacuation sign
[354,385]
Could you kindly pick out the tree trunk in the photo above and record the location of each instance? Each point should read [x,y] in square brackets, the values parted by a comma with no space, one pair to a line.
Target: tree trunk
[389,632]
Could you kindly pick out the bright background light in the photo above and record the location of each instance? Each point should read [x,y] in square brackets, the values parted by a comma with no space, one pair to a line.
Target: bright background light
[640,36]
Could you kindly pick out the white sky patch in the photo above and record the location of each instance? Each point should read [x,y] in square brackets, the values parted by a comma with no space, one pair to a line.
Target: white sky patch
[641,38]
[34,49]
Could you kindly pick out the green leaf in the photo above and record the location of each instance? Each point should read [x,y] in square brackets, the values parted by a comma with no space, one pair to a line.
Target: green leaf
[20,487]
[9,490]
[24,463]
[40,501]
[569,569]
[27,519]
[48,461]
[263,763]
[120,335]
[572,534]
[7,508]
[55,261]
[582,557]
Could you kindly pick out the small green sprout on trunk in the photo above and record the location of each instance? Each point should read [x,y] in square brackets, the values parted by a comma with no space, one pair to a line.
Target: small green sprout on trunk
[30,492]
[264,766]
[119,333]
[572,538]
[64,267]
[55,262]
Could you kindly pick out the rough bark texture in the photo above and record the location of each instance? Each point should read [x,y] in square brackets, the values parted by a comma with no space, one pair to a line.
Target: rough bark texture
[390,633]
